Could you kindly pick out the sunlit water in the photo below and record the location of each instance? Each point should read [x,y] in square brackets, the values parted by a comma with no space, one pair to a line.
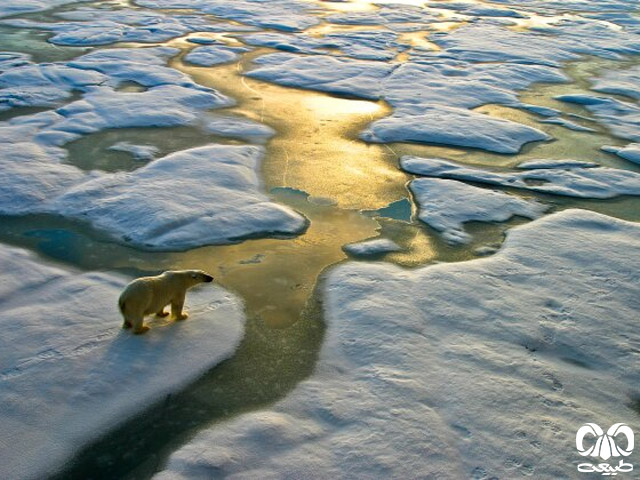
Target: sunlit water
[349,190]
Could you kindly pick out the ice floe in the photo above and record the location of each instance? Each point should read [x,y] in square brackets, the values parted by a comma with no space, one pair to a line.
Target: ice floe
[364,45]
[559,178]
[551,45]
[324,73]
[629,152]
[31,172]
[15,7]
[397,17]
[467,370]
[205,195]
[32,85]
[94,27]
[238,127]
[285,15]
[622,118]
[69,373]
[563,122]
[440,124]
[624,82]
[210,55]
[446,205]
[369,248]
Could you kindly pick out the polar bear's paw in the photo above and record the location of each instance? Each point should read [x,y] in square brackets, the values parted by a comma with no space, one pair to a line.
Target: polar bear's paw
[141,330]
[162,313]
[182,316]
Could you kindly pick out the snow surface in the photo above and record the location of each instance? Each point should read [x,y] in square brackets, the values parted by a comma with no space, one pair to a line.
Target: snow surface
[15,7]
[622,118]
[95,27]
[365,45]
[563,177]
[629,152]
[284,15]
[454,126]
[238,127]
[69,373]
[567,124]
[447,204]
[476,370]
[373,247]
[552,45]
[626,82]
[210,55]
[202,196]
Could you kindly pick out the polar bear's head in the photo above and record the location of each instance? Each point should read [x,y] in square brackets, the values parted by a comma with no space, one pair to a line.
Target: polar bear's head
[194,277]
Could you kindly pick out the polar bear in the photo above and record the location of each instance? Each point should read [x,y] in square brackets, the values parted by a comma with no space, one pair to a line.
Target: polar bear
[147,295]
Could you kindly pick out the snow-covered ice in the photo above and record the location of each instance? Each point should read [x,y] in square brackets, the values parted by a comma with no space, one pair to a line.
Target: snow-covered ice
[15,7]
[373,247]
[622,118]
[210,55]
[567,124]
[629,152]
[324,73]
[284,15]
[562,177]
[625,82]
[69,373]
[32,85]
[458,127]
[95,27]
[238,127]
[364,45]
[165,206]
[446,205]
[552,45]
[478,369]
[31,172]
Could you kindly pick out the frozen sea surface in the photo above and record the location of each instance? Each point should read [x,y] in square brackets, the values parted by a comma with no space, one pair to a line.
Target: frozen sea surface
[561,177]
[447,204]
[69,373]
[466,370]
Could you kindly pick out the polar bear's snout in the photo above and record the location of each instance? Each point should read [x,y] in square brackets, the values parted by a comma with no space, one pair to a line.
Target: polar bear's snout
[208,278]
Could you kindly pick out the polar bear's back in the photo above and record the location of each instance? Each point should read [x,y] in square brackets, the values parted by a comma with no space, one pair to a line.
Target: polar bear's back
[145,295]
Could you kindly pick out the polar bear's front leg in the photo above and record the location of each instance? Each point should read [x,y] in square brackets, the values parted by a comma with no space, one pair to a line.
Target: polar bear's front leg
[176,309]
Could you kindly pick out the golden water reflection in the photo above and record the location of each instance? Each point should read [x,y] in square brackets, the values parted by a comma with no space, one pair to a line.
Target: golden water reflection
[316,148]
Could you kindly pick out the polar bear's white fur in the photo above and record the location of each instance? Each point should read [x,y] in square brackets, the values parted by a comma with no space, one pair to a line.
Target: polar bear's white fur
[147,295]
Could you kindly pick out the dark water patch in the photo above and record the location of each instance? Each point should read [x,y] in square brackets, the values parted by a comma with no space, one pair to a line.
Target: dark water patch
[398,210]
[34,43]
[95,152]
